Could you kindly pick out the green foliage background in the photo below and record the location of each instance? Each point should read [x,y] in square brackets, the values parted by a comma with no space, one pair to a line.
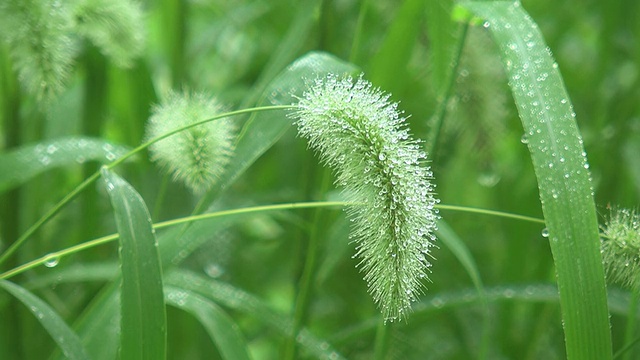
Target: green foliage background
[234,49]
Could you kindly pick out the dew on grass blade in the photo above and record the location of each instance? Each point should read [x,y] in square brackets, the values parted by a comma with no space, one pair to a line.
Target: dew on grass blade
[545,233]
[52,261]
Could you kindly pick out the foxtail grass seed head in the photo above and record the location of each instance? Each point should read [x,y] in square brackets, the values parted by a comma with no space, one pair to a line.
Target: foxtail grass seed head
[620,247]
[364,138]
[114,26]
[39,43]
[196,156]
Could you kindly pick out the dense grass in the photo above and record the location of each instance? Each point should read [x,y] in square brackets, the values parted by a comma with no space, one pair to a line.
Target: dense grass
[260,265]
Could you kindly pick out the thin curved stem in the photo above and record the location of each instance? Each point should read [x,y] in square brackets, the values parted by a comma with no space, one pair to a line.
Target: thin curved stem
[305,285]
[382,341]
[490,213]
[289,206]
[88,181]
[161,225]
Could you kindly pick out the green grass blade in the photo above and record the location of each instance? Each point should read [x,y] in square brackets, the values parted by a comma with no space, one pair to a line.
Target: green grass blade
[22,164]
[99,325]
[397,48]
[143,322]
[450,239]
[441,36]
[221,328]
[264,129]
[445,301]
[292,42]
[239,300]
[561,169]
[66,339]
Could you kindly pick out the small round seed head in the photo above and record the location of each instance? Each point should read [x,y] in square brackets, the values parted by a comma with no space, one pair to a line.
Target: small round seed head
[620,247]
[362,136]
[198,155]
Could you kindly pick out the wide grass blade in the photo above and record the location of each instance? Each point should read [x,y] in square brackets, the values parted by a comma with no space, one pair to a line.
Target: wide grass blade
[264,129]
[20,165]
[221,328]
[239,300]
[143,316]
[66,339]
[561,169]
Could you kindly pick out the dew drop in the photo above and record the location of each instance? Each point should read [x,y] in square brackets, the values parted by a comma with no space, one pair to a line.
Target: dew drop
[214,270]
[545,233]
[52,262]
[524,139]
[45,160]
[486,24]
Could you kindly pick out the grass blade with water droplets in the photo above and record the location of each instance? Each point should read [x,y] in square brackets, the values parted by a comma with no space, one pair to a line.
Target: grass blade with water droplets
[561,168]
[143,316]
[20,165]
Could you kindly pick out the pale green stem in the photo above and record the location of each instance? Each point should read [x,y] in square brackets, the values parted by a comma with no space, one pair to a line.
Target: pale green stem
[161,225]
[189,219]
[383,339]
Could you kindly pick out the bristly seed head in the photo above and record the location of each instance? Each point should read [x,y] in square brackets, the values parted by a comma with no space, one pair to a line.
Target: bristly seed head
[620,247]
[198,155]
[363,137]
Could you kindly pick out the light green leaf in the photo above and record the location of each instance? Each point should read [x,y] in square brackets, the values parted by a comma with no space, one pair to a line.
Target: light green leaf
[143,317]
[263,129]
[561,168]
[221,328]
[66,339]
[20,165]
